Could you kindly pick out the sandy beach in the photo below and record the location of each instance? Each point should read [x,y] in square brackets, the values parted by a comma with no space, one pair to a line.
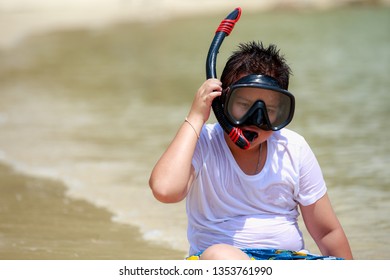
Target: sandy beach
[20,18]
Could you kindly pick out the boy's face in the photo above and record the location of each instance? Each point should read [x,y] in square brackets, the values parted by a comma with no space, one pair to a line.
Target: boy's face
[255,105]
[241,102]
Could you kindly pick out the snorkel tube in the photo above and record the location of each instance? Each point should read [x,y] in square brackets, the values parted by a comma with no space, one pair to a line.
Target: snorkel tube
[225,27]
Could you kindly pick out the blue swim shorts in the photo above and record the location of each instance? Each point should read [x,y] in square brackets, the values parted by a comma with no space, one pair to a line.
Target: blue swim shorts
[275,254]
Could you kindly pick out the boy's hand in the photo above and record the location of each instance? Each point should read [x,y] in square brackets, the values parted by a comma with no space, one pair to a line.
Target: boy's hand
[201,106]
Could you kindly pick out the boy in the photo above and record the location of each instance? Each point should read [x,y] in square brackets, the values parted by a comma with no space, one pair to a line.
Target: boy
[243,199]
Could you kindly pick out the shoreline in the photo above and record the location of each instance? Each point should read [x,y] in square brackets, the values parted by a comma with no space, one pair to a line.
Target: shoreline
[21,19]
[38,221]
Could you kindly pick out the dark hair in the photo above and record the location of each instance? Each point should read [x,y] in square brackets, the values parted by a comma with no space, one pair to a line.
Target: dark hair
[254,58]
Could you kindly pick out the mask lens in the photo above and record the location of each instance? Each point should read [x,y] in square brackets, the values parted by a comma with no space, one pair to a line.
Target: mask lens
[239,105]
[245,102]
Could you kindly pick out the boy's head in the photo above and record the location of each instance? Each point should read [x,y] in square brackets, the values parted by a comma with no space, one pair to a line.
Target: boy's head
[255,81]
[254,58]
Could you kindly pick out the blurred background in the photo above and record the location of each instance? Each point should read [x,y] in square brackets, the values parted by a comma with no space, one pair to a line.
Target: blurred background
[92,92]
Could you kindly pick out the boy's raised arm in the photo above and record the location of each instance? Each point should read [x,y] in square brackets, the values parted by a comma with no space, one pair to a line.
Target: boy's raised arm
[173,174]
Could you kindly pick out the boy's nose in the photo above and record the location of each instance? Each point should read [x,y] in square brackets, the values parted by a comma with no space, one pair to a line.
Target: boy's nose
[258,118]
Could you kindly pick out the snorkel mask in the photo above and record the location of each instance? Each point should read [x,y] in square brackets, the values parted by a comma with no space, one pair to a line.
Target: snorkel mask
[252,100]
[258,100]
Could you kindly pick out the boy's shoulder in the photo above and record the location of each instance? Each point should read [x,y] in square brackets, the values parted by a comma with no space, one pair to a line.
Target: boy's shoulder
[212,128]
[286,135]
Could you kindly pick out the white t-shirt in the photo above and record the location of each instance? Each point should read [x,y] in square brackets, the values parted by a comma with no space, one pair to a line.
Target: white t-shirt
[224,205]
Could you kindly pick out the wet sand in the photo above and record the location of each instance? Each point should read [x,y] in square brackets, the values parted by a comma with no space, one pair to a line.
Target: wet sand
[37,221]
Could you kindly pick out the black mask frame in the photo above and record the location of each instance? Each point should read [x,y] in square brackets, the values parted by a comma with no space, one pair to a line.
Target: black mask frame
[257,114]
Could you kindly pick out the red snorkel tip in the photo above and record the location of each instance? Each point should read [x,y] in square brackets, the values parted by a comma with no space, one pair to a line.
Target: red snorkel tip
[228,23]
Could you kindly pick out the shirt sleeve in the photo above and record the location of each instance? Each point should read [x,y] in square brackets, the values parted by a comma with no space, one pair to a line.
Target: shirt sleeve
[197,158]
[311,181]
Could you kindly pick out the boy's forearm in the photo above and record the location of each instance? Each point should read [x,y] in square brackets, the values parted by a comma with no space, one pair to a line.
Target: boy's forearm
[335,244]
